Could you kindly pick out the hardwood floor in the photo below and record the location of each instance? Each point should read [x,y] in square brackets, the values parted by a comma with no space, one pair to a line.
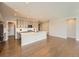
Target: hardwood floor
[51,47]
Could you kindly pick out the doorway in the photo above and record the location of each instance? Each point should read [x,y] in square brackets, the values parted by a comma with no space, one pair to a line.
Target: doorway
[71,29]
[11,30]
[44,26]
[1,31]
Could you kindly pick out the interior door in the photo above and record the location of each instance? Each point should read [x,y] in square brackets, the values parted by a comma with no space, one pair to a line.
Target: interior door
[1,32]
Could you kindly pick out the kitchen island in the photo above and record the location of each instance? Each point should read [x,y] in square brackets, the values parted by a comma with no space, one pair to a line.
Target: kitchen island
[31,37]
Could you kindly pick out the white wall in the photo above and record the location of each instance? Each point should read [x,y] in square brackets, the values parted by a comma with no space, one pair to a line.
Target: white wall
[58,28]
[77,29]
[71,28]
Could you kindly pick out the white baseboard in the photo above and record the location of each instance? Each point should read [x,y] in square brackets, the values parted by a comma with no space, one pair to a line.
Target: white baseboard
[64,37]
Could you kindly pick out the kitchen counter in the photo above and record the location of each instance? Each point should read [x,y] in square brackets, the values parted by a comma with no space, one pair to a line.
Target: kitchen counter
[30,37]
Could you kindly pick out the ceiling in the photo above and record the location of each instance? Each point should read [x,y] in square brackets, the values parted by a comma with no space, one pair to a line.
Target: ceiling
[46,10]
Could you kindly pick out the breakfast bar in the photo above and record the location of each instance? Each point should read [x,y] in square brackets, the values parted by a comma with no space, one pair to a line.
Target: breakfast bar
[31,37]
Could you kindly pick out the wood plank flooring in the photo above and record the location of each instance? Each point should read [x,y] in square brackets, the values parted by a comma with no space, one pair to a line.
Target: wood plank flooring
[51,47]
